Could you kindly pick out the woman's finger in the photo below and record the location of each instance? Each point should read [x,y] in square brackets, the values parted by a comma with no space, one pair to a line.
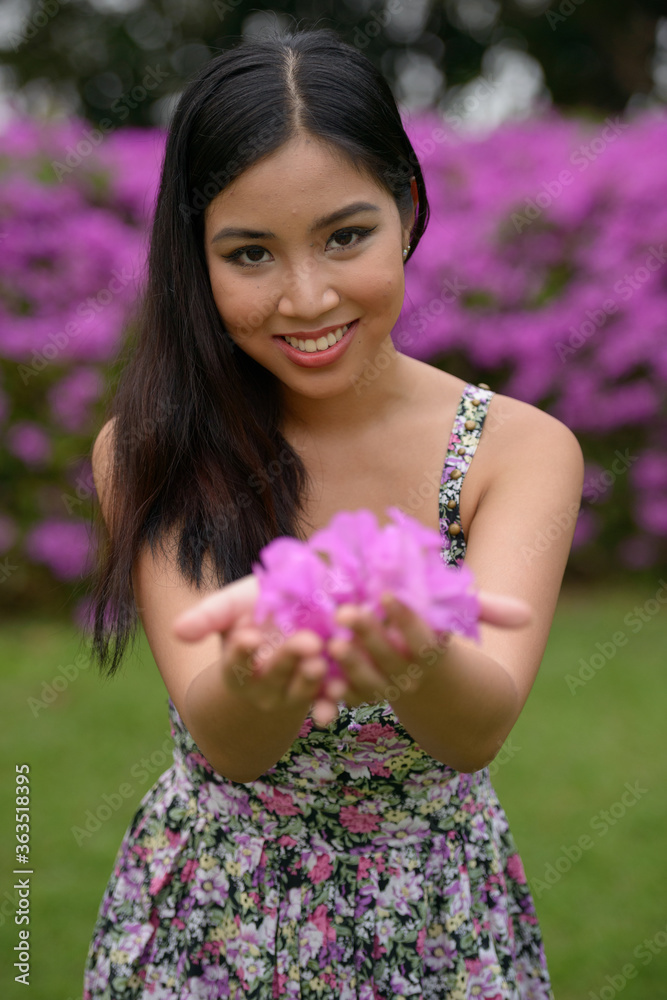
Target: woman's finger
[307,680]
[219,611]
[336,689]
[411,631]
[239,656]
[323,712]
[373,637]
[363,678]
[275,667]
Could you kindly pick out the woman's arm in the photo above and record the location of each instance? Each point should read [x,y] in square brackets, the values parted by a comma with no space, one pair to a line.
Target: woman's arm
[207,680]
[239,739]
[470,695]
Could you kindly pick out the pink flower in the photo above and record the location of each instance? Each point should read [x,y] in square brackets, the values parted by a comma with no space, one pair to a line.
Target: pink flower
[29,442]
[281,804]
[189,869]
[358,822]
[306,727]
[320,871]
[66,547]
[515,869]
[363,561]
[158,882]
[370,732]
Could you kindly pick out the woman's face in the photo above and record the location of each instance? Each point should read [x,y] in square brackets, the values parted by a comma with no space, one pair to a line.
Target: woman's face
[300,245]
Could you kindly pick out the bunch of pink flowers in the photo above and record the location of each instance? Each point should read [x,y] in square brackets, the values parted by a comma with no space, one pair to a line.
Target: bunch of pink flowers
[354,561]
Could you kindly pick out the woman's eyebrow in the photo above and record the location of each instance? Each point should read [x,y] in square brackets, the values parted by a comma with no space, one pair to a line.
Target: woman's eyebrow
[321,223]
[342,213]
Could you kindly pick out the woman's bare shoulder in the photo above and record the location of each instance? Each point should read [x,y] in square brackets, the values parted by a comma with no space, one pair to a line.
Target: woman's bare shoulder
[101,459]
[511,425]
[526,458]
[517,426]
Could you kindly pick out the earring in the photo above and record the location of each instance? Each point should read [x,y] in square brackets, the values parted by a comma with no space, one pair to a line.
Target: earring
[406,251]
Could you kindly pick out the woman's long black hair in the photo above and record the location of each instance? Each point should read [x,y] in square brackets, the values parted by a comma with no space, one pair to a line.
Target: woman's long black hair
[197,452]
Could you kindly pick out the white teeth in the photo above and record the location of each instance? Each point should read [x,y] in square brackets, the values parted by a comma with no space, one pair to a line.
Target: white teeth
[321,344]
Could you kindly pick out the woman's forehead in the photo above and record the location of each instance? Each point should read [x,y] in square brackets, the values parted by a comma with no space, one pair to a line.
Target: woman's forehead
[298,179]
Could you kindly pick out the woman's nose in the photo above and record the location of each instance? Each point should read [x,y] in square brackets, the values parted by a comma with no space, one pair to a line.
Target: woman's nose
[307,291]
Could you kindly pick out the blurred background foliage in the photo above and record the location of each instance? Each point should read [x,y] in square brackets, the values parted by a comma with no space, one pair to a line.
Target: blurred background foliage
[552,290]
[598,54]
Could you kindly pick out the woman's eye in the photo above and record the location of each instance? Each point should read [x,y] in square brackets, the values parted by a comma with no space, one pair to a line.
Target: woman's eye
[235,257]
[348,236]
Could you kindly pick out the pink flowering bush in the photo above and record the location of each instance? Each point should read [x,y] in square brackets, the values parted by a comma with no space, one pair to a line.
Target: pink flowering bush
[543,272]
[72,251]
[300,589]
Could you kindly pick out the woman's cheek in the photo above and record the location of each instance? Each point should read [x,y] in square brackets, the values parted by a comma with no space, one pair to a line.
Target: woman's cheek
[234,314]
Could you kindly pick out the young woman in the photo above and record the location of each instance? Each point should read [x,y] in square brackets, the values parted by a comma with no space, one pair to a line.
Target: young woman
[312,838]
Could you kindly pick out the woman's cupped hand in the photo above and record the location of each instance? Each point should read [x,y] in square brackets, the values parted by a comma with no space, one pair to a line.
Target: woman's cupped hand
[381,653]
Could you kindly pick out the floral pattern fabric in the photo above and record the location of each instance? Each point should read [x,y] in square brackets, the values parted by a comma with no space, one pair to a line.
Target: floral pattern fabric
[358,867]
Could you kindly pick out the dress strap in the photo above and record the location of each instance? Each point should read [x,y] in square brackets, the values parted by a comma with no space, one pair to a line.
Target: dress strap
[463,442]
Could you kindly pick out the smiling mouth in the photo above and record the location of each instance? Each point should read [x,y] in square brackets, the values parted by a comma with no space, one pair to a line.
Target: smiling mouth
[310,346]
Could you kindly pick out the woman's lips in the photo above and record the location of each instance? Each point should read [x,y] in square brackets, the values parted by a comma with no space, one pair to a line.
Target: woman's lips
[317,359]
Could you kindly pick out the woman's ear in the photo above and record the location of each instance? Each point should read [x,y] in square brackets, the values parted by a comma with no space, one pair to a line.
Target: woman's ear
[415,202]
[415,197]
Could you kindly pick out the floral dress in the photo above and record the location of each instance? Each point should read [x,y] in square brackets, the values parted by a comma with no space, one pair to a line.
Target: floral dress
[358,867]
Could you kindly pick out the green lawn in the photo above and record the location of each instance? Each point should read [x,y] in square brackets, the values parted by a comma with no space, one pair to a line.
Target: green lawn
[582,779]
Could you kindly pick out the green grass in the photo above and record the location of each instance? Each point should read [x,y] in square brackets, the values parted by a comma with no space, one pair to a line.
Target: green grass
[580,745]
[568,760]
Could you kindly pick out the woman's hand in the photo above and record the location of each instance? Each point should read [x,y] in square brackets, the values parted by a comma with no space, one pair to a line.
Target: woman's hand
[270,677]
[380,656]
[397,652]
